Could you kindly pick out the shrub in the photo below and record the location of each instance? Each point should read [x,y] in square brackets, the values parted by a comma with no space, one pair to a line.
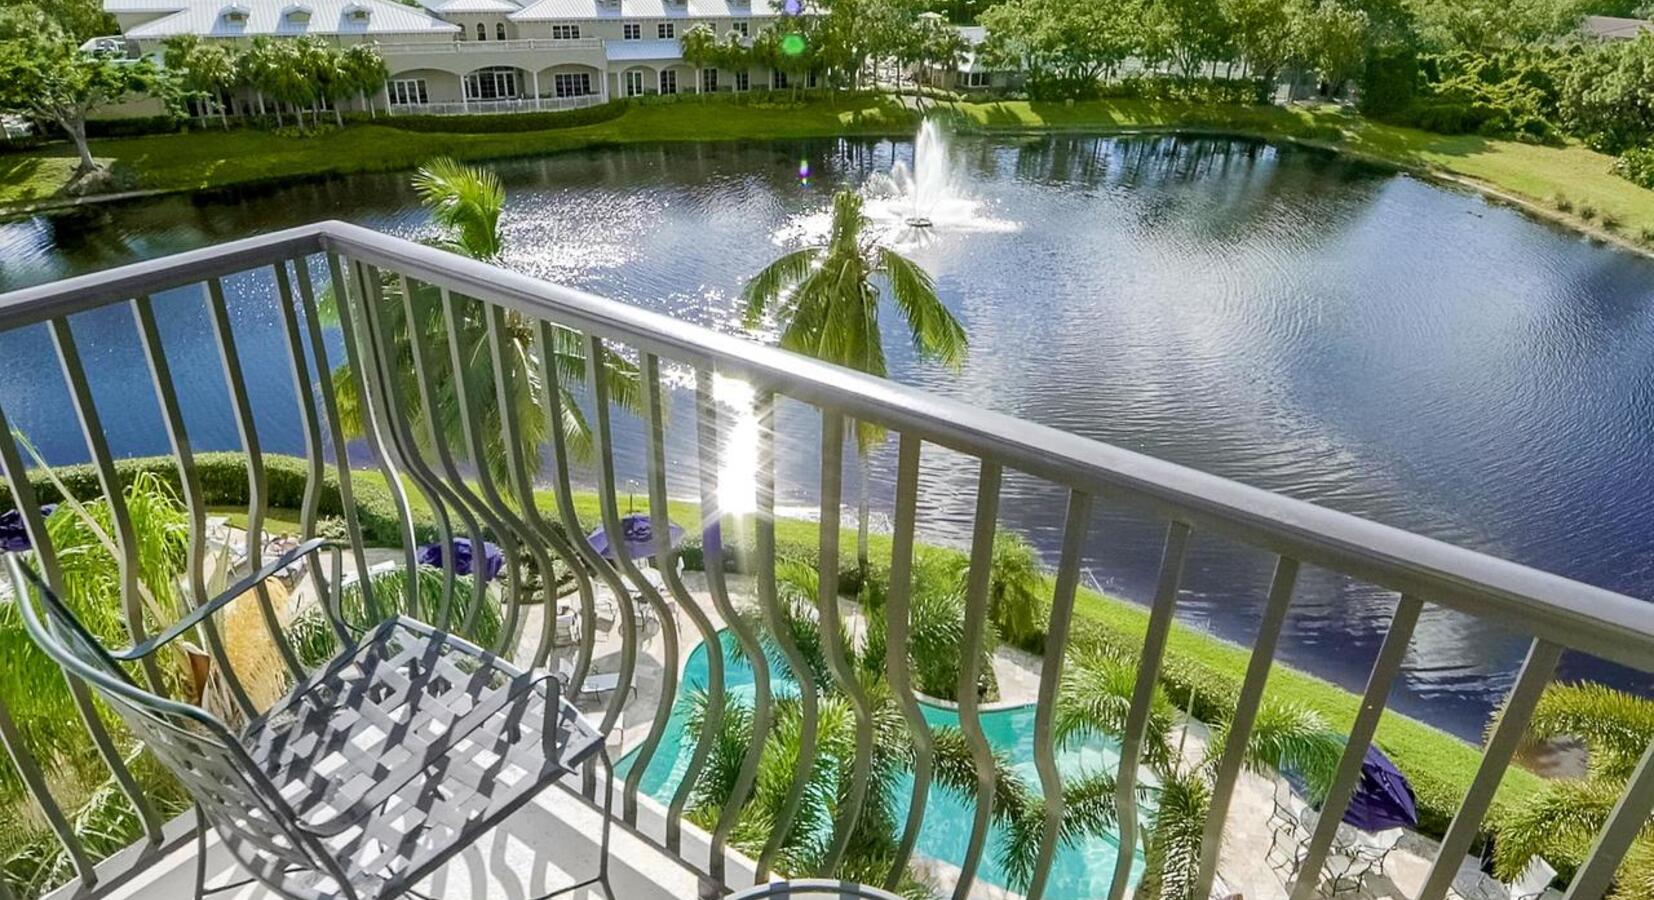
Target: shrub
[1587,212]
[1610,221]
[503,123]
[1561,202]
[1636,166]
[1647,236]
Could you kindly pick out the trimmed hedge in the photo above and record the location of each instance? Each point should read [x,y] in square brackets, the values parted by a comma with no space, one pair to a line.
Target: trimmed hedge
[500,123]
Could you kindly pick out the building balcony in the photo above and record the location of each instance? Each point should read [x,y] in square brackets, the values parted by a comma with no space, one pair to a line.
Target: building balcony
[624,615]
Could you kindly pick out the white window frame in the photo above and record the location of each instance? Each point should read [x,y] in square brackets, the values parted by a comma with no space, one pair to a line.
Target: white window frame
[743,81]
[666,30]
[709,81]
[571,84]
[743,28]
[978,79]
[668,79]
[778,80]
[632,82]
[482,31]
[565,32]
[631,31]
[504,82]
[499,31]
[408,91]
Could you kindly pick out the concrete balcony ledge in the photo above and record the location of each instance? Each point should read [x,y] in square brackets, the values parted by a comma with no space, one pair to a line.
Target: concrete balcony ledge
[550,843]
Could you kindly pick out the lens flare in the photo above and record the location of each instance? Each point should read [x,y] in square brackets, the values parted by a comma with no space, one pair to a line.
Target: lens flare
[793,44]
[804,168]
[793,7]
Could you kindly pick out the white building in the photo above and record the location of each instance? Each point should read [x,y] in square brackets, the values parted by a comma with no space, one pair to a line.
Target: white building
[455,56]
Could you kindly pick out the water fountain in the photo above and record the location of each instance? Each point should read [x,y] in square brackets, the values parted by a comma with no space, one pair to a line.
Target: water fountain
[926,196]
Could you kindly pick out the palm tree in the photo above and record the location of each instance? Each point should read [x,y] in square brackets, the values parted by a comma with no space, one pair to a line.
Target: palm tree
[826,303]
[256,67]
[1563,818]
[1095,698]
[365,71]
[466,203]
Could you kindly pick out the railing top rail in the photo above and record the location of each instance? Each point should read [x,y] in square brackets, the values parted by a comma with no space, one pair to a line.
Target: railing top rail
[1591,619]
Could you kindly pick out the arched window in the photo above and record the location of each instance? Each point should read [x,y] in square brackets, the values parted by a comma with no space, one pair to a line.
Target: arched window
[499,31]
[482,32]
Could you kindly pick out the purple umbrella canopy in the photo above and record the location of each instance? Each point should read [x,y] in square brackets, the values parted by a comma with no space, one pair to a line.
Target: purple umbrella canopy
[637,536]
[493,561]
[1383,799]
[14,537]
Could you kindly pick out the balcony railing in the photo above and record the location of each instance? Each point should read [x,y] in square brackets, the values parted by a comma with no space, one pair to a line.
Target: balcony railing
[290,271]
[413,47]
[486,107]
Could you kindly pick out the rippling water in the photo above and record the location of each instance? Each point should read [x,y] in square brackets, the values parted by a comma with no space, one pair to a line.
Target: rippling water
[1298,322]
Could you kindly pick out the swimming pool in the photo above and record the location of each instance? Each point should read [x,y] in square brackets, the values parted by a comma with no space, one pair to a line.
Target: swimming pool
[1081,871]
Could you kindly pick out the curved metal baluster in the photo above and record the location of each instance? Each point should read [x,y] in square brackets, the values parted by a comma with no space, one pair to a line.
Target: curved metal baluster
[1056,644]
[970,665]
[603,445]
[358,372]
[336,433]
[389,397]
[707,443]
[1507,735]
[666,560]
[897,662]
[764,543]
[550,340]
[34,780]
[513,531]
[463,501]
[97,446]
[1142,701]
[258,488]
[172,416]
[1390,657]
[832,638]
[304,391]
[522,485]
[1246,711]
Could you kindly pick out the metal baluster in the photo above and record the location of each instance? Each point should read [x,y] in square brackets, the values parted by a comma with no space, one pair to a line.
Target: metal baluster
[1629,818]
[304,391]
[469,507]
[832,638]
[707,444]
[1142,701]
[511,435]
[510,529]
[1512,724]
[1391,655]
[1246,711]
[775,620]
[258,489]
[385,365]
[336,433]
[357,371]
[970,670]
[666,560]
[172,417]
[603,445]
[1056,644]
[35,780]
[897,662]
[555,344]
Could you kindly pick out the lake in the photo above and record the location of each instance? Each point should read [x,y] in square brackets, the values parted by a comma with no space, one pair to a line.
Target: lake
[1306,324]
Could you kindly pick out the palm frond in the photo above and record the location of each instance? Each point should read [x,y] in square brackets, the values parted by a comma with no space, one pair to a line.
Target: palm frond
[1617,727]
[467,202]
[936,334]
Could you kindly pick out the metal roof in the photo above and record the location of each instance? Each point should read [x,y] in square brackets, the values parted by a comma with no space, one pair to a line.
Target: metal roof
[205,18]
[544,10]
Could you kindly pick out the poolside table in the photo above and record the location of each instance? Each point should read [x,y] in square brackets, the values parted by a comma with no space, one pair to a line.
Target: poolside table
[813,889]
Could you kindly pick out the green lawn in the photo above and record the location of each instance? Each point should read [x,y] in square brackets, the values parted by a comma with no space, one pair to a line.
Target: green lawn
[209,158]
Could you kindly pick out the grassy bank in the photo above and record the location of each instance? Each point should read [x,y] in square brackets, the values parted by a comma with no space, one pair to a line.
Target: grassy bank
[1440,765]
[1547,178]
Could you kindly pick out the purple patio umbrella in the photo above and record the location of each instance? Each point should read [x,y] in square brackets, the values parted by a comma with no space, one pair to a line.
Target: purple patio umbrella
[1383,799]
[637,536]
[493,561]
[14,537]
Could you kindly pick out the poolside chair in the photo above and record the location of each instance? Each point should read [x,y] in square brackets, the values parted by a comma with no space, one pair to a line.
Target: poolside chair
[595,686]
[1532,884]
[1372,849]
[370,774]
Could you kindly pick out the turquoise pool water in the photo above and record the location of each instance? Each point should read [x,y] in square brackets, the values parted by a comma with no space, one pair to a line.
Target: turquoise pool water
[1081,871]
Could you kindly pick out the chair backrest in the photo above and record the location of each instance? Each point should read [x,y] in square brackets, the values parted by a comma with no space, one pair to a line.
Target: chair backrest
[236,799]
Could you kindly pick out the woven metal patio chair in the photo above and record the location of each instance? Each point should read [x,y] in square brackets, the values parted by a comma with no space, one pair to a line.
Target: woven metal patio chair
[371,773]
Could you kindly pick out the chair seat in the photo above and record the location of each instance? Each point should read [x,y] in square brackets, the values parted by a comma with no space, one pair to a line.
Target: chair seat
[409,745]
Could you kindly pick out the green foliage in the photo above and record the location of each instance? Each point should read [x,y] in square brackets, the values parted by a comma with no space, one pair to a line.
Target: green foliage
[45,76]
[1608,95]
[314,642]
[1061,48]
[1636,165]
[1390,81]
[514,123]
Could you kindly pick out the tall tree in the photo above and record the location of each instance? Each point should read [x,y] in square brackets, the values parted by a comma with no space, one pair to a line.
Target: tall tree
[1262,34]
[203,71]
[45,76]
[826,302]
[1062,48]
[1332,38]
[364,71]
[77,20]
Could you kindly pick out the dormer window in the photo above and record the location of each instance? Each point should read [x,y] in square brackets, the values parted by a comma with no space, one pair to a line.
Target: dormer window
[235,15]
[297,15]
[358,14]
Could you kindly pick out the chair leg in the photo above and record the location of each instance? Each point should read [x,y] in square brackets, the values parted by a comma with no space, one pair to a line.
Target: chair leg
[201,827]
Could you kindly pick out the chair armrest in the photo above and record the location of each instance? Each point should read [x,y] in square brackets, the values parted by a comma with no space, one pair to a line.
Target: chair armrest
[199,614]
[389,784]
